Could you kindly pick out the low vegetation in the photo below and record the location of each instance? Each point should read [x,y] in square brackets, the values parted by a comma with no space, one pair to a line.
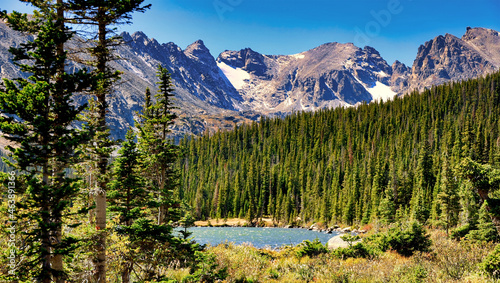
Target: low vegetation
[435,258]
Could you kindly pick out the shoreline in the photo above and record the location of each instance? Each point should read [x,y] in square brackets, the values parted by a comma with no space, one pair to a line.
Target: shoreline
[268,222]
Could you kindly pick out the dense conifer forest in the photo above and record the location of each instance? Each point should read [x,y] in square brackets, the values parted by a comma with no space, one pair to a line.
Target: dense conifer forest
[372,162]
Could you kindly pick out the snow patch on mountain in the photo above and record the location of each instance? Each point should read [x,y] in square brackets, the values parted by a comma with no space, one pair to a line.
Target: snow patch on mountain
[236,76]
[381,92]
[298,56]
[381,74]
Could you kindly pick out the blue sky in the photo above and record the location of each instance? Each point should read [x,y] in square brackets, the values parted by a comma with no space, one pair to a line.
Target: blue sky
[396,28]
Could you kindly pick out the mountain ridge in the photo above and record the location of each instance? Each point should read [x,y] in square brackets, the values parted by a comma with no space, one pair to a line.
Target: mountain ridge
[240,86]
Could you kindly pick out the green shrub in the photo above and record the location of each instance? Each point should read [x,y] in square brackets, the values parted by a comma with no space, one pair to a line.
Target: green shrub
[412,274]
[350,239]
[486,230]
[407,240]
[206,269]
[486,234]
[491,264]
[308,248]
[460,232]
[356,251]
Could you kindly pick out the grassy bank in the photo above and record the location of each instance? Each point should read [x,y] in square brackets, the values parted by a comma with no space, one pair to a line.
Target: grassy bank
[447,261]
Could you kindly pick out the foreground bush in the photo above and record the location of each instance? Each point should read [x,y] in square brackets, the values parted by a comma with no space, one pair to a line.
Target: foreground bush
[491,264]
[308,248]
[359,250]
[405,239]
[460,232]
[206,269]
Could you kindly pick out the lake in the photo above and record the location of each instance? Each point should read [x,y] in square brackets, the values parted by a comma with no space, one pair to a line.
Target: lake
[258,237]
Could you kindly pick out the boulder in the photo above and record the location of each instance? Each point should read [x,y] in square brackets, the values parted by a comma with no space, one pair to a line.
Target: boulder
[346,230]
[337,242]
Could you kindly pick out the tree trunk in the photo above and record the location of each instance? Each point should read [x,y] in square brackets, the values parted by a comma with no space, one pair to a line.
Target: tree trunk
[161,197]
[126,273]
[57,260]
[100,196]
[100,260]
[45,238]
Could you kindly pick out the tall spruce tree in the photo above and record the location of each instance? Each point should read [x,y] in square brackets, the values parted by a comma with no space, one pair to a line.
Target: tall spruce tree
[102,16]
[448,198]
[484,180]
[158,152]
[37,115]
[127,198]
[153,240]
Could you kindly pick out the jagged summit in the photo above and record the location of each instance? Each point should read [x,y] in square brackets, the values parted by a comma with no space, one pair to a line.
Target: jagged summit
[486,42]
[448,57]
[199,52]
[250,84]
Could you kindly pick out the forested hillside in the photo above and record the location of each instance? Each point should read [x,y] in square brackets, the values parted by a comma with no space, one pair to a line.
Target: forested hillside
[373,162]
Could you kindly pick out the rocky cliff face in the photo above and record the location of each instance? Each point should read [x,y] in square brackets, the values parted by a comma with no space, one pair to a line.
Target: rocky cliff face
[486,42]
[448,58]
[330,75]
[203,94]
[241,85]
[337,74]
[400,77]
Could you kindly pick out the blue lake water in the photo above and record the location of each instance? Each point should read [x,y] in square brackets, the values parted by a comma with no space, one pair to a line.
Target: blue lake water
[258,237]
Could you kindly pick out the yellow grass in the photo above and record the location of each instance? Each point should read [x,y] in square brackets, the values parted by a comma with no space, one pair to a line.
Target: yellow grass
[449,261]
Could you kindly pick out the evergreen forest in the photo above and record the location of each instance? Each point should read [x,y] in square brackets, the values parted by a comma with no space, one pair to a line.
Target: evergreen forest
[356,165]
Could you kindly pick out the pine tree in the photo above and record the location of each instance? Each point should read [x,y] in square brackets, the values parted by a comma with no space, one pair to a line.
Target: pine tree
[102,14]
[484,180]
[386,208]
[486,230]
[38,115]
[448,197]
[127,198]
[158,154]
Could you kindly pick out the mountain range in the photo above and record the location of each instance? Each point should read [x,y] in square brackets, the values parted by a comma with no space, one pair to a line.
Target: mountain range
[240,86]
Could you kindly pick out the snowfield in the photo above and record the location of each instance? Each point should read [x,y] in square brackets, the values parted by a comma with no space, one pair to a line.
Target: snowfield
[236,76]
[381,92]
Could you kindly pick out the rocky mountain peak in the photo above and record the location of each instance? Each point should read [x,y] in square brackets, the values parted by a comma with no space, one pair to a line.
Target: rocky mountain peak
[199,52]
[197,45]
[245,59]
[371,50]
[400,75]
[140,37]
[486,42]
[479,33]
[248,83]
[399,67]
[448,57]
[126,37]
